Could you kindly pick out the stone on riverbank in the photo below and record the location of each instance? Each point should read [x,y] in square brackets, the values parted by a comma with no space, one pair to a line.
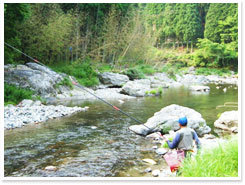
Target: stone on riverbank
[33,112]
[150,161]
[155,173]
[161,151]
[227,122]
[113,79]
[38,78]
[137,88]
[168,118]
[50,168]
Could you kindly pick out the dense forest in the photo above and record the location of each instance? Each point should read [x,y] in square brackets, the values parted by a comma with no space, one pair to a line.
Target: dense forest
[119,34]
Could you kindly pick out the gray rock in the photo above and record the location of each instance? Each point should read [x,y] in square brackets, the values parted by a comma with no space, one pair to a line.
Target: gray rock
[200,88]
[93,127]
[228,121]
[25,103]
[155,173]
[147,170]
[113,79]
[161,151]
[38,78]
[137,88]
[191,79]
[154,147]
[139,129]
[37,103]
[168,117]
[155,135]
[51,168]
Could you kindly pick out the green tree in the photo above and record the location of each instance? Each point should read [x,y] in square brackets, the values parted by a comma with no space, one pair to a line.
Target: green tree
[218,12]
[169,22]
[193,26]
[14,15]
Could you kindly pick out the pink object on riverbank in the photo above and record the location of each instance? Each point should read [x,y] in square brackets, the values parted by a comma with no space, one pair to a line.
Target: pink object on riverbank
[174,159]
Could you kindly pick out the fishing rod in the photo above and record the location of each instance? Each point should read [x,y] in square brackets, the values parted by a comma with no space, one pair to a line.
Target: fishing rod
[81,87]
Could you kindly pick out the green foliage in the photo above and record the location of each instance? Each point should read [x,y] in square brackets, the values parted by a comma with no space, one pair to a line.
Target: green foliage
[14,15]
[118,34]
[165,144]
[219,12]
[160,90]
[153,91]
[221,161]
[165,129]
[146,69]
[211,54]
[134,73]
[170,70]
[81,70]
[65,82]
[14,94]
[218,115]
[213,71]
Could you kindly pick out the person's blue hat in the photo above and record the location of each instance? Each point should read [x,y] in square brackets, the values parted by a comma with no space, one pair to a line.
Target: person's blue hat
[183,121]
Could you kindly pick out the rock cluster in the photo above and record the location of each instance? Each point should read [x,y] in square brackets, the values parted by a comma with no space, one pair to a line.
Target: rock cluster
[29,111]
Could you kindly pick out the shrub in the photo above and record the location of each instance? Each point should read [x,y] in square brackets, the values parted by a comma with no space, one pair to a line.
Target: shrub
[211,54]
[221,161]
[134,73]
[146,69]
[65,82]
[14,94]
[81,70]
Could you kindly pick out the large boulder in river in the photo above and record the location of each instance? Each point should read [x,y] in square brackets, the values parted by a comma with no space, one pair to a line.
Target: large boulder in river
[227,122]
[38,78]
[137,87]
[113,79]
[168,118]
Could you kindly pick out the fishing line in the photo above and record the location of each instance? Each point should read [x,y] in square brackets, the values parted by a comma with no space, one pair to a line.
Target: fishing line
[81,87]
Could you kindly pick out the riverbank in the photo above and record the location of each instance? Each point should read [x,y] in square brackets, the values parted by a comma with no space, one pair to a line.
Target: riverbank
[30,112]
[53,87]
[209,143]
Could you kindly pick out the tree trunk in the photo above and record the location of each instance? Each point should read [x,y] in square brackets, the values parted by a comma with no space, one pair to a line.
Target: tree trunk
[187,46]
[191,47]
[77,37]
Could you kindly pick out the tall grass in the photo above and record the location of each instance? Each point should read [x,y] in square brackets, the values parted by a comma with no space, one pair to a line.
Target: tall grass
[221,161]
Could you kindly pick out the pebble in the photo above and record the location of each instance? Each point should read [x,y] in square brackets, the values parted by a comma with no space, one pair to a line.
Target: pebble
[150,161]
[34,112]
[154,147]
[93,127]
[155,173]
[50,168]
[147,170]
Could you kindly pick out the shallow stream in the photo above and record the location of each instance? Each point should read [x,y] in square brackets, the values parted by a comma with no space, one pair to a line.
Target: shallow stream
[77,149]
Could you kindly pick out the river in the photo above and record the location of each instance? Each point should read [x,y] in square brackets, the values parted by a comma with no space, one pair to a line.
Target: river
[110,150]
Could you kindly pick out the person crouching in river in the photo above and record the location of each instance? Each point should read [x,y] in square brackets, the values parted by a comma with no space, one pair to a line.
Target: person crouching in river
[184,137]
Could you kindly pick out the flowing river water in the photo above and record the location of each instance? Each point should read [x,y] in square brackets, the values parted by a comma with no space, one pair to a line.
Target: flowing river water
[77,149]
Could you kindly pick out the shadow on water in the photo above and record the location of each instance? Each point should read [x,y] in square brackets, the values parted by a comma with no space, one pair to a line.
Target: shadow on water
[76,149]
